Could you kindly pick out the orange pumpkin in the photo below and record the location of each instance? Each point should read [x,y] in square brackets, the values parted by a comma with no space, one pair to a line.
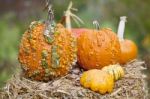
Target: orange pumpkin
[129,49]
[98,48]
[42,57]
[47,50]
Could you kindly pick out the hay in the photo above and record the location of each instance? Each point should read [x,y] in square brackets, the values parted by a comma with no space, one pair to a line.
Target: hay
[68,87]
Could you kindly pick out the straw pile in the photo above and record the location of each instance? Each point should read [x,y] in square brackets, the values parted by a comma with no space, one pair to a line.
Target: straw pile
[132,86]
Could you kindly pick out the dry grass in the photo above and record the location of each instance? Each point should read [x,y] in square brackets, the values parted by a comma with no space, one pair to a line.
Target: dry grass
[68,87]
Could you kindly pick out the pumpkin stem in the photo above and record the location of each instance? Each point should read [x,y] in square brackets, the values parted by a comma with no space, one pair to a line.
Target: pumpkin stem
[50,24]
[121,27]
[96,24]
[50,15]
[69,14]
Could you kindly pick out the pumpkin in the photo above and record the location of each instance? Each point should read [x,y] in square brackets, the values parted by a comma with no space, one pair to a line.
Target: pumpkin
[77,31]
[129,49]
[98,48]
[97,80]
[115,70]
[46,50]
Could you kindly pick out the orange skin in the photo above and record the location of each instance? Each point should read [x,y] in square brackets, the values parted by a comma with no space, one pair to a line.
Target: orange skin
[30,53]
[129,51]
[97,49]
[78,31]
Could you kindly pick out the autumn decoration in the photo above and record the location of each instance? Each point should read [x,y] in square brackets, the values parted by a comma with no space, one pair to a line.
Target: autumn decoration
[98,81]
[116,71]
[47,50]
[129,49]
[98,48]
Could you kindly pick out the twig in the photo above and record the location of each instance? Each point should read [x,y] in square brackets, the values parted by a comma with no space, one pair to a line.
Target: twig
[116,92]
[61,91]
[26,86]
[29,80]
[8,92]
[43,96]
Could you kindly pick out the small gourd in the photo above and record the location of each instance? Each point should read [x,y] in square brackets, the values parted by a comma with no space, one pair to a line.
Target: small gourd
[97,80]
[129,49]
[115,70]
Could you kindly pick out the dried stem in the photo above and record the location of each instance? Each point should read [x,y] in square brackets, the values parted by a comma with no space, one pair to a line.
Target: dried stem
[96,24]
[50,20]
[121,27]
[50,14]
[69,14]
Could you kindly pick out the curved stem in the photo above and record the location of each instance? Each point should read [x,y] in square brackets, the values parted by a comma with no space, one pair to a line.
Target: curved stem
[121,28]
[50,11]
[50,18]
[69,14]
[96,24]
[50,24]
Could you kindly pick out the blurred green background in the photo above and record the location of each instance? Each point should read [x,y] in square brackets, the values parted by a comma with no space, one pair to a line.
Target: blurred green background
[16,15]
